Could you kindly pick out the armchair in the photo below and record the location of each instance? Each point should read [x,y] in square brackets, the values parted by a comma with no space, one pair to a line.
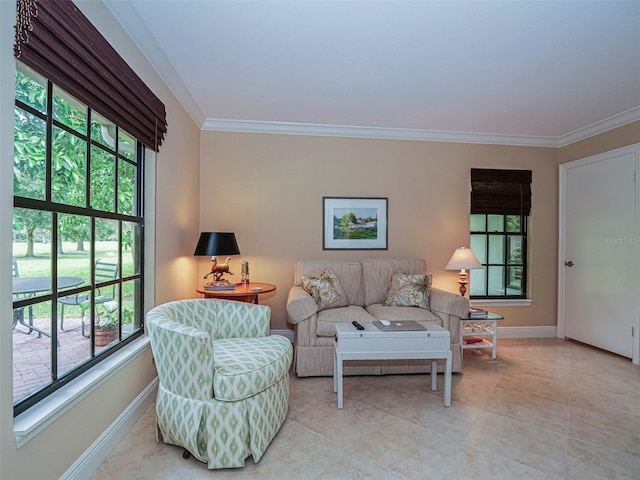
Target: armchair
[224,381]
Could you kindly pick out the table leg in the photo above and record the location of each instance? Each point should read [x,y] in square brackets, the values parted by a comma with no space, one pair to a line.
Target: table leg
[339,377]
[447,381]
[335,371]
[30,325]
[434,375]
[495,340]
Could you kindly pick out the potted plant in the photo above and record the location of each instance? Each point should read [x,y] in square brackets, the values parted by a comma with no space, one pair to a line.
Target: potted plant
[106,324]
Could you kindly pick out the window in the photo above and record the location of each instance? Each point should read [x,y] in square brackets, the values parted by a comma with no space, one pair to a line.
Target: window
[77,218]
[82,120]
[500,243]
[500,205]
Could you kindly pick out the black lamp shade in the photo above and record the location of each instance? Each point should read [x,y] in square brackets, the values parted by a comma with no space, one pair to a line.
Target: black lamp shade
[217,243]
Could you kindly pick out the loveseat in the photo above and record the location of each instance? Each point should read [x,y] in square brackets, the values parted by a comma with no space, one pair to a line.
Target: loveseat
[366,286]
[224,381]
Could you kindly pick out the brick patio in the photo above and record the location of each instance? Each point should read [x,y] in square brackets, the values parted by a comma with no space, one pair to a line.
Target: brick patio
[32,355]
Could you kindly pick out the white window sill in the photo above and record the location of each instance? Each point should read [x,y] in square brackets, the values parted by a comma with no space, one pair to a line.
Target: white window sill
[495,302]
[29,424]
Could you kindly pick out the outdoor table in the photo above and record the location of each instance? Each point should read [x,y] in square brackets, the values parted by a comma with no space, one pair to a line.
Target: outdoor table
[29,286]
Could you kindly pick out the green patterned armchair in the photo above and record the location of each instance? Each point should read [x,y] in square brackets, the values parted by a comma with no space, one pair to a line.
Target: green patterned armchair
[224,381]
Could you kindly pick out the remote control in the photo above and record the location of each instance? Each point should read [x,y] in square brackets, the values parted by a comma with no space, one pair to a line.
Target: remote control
[357,325]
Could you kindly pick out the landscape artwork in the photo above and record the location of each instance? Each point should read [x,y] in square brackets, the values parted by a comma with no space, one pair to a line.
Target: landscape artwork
[355,223]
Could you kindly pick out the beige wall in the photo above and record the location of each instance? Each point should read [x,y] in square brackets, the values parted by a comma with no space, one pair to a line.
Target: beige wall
[268,189]
[177,207]
[617,138]
[59,445]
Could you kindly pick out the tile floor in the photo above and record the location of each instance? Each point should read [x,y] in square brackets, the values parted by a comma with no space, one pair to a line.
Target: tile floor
[544,409]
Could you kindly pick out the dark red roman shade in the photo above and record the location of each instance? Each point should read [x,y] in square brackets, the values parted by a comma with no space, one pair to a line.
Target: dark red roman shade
[505,192]
[54,38]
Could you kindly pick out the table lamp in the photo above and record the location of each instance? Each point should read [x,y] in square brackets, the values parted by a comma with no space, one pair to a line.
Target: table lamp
[214,244]
[463,259]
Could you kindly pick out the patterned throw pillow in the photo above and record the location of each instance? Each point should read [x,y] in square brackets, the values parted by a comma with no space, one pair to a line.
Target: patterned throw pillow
[325,289]
[408,291]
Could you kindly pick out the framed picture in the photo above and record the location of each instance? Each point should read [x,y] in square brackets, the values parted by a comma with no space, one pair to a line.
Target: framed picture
[354,223]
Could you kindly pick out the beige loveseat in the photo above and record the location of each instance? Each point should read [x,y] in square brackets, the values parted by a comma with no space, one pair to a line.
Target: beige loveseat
[365,285]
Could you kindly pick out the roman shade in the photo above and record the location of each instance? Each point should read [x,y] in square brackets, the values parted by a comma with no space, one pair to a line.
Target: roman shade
[504,192]
[58,41]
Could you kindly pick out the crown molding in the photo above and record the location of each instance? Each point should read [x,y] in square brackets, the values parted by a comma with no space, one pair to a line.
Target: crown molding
[615,121]
[321,130]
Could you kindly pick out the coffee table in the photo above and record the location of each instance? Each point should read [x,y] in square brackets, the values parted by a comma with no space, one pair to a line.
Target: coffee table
[374,344]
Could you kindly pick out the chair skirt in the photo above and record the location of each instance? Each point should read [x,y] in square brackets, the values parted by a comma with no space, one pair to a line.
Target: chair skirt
[220,433]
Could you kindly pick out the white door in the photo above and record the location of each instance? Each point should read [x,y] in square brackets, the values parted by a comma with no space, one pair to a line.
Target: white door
[600,256]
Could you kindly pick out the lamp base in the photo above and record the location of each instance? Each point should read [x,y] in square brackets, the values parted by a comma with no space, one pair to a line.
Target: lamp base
[463,280]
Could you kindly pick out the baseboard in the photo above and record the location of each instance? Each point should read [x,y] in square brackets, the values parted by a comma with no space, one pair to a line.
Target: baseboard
[284,332]
[99,450]
[527,332]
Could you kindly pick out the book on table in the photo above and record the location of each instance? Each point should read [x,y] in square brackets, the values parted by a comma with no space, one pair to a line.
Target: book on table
[219,287]
[472,340]
[477,313]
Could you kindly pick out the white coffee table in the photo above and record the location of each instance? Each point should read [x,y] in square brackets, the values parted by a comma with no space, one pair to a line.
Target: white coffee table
[373,344]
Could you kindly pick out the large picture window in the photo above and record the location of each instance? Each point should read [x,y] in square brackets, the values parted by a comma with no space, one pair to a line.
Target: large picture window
[77,238]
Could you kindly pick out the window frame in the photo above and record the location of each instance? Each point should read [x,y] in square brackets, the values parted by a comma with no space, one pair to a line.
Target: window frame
[504,263]
[136,217]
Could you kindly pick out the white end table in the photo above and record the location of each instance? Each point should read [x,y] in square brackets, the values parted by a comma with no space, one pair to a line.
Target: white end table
[374,344]
[483,327]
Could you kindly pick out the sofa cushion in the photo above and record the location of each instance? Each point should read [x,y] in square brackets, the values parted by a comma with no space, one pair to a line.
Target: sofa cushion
[243,367]
[381,312]
[377,275]
[327,319]
[325,290]
[348,273]
[408,291]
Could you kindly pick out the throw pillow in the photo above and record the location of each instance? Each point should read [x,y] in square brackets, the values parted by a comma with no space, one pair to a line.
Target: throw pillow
[407,290]
[325,289]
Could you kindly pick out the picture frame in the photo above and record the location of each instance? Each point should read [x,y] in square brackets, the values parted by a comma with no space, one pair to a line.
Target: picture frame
[355,223]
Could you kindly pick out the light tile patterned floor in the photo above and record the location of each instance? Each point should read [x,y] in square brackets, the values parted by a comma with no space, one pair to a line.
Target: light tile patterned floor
[544,409]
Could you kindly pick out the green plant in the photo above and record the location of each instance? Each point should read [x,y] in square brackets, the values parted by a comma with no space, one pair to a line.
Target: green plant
[108,316]
[127,314]
[106,313]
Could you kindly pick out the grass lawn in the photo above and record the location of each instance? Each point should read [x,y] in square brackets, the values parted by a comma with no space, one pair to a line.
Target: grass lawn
[72,263]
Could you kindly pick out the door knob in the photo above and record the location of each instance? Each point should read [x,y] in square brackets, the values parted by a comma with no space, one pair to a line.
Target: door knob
[569,264]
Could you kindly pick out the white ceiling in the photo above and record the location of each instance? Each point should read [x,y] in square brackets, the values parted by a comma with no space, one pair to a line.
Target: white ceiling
[520,72]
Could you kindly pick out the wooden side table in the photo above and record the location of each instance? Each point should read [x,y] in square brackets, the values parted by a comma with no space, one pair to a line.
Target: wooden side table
[242,293]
